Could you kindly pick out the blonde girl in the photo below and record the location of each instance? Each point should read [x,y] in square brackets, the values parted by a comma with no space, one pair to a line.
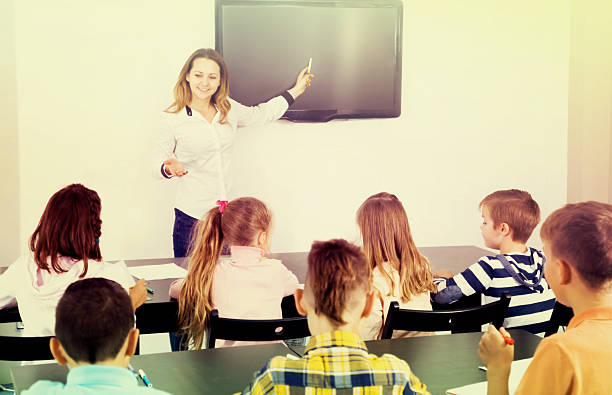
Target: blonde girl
[247,285]
[399,272]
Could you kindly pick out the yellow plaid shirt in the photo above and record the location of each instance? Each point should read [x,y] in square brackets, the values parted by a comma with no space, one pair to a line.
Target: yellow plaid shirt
[336,363]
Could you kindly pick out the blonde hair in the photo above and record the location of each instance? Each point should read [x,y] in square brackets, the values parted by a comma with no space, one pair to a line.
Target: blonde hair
[386,238]
[239,224]
[182,91]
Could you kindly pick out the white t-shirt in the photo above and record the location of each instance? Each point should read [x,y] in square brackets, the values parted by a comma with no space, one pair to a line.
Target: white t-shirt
[38,291]
[371,326]
[205,150]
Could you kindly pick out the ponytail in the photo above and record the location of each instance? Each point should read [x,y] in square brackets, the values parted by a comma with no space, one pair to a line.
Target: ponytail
[195,297]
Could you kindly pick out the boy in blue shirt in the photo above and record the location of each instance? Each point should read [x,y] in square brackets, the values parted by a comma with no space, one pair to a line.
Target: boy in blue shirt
[95,336]
[509,218]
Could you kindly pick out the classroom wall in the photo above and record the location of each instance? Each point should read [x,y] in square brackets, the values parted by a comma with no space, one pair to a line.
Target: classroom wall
[590,102]
[9,165]
[484,106]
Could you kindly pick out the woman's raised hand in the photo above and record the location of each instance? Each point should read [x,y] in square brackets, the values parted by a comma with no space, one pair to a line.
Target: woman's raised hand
[301,83]
[173,167]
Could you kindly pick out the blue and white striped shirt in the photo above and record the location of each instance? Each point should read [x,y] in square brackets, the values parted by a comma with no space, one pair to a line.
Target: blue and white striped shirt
[531,305]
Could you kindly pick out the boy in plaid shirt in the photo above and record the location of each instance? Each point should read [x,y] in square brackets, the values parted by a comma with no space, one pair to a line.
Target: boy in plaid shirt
[336,296]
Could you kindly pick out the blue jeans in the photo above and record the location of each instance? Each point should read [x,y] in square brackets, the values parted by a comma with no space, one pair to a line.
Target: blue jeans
[181,233]
[181,236]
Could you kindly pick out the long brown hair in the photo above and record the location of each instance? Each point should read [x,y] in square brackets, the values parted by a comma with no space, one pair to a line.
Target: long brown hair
[182,91]
[238,225]
[70,226]
[387,238]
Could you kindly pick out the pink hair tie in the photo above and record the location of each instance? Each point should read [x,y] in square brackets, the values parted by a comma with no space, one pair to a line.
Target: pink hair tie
[222,205]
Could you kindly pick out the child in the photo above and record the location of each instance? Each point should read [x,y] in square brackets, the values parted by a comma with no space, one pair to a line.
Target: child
[336,296]
[578,247]
[63,249]
[509,218]
[247,286]
[96,347]
[399,272]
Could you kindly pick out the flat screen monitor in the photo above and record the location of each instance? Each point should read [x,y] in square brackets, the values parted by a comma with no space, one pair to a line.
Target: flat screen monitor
[355,46]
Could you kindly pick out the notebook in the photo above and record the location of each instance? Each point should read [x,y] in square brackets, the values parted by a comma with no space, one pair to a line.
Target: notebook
[516,374]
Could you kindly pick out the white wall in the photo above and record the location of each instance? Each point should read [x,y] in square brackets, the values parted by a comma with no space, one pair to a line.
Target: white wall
[590,102]
[485,94]
[9,165]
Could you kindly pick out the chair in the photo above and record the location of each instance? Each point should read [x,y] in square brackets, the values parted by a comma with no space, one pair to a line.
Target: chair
[457,320]
[156,318]
[255,330]
[561,316]
[21,348]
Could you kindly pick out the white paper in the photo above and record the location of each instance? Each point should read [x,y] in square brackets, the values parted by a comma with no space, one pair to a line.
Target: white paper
[516,374]
[157,272]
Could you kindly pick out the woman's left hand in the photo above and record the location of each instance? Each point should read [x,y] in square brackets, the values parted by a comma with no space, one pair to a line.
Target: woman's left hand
[301,83]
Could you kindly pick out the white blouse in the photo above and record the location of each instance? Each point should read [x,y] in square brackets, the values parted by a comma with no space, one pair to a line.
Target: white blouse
[205,150]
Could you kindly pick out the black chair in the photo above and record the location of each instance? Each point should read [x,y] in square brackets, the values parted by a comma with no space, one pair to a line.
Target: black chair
[456,320]
[255,330]
[22,348]
[561,316]
[157,318]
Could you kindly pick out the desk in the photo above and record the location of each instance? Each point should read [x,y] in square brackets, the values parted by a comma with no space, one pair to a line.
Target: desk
[454,258]
[441,362]
[446,361]
[215,371]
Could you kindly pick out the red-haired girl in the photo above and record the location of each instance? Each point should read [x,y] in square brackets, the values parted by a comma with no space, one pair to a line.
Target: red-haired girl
[64,248]
[399,272]
[246,286]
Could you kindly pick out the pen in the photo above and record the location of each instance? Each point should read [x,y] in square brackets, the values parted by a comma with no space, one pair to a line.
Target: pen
[309,64]
[144,378]
[149,290]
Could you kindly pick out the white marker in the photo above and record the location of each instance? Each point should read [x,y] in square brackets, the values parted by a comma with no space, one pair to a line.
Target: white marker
[309,65]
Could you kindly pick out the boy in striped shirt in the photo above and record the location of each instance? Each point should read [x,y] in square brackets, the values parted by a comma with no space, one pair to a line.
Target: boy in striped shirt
[336,296]
[509,217]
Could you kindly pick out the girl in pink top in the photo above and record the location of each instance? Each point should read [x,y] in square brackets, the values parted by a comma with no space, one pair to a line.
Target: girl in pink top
[399,272]
[246,286]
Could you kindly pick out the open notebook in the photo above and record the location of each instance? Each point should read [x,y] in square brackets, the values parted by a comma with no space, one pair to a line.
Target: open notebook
[516,374]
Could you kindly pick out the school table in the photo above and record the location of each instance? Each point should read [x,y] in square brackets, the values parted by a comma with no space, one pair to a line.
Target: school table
[441,362]
[454,258]
[446,361]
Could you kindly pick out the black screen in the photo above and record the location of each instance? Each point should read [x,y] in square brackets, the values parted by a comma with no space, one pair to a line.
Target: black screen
[355,48]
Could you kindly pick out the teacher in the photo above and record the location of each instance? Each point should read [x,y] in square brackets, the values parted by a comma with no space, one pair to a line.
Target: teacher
[197,133]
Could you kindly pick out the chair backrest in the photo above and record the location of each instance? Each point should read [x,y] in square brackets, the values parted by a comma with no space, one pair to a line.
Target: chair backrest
[456,320]
[21,348]
[255,330]
[561,316]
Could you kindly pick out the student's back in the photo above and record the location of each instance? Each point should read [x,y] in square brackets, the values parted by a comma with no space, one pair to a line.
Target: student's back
[96,347]
[38,291]
[63,249]
[399,271]
[246,286]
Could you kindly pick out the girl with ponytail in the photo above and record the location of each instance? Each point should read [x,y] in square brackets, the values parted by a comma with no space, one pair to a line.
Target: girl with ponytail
[246,286]
[64,248]
[399,271]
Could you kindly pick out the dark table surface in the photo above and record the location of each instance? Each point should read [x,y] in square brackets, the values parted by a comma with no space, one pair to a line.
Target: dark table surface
[215,371]
[446,361]
[441,362]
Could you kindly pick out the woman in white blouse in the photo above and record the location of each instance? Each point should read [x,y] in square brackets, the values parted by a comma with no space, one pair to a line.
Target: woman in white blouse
[197,134]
